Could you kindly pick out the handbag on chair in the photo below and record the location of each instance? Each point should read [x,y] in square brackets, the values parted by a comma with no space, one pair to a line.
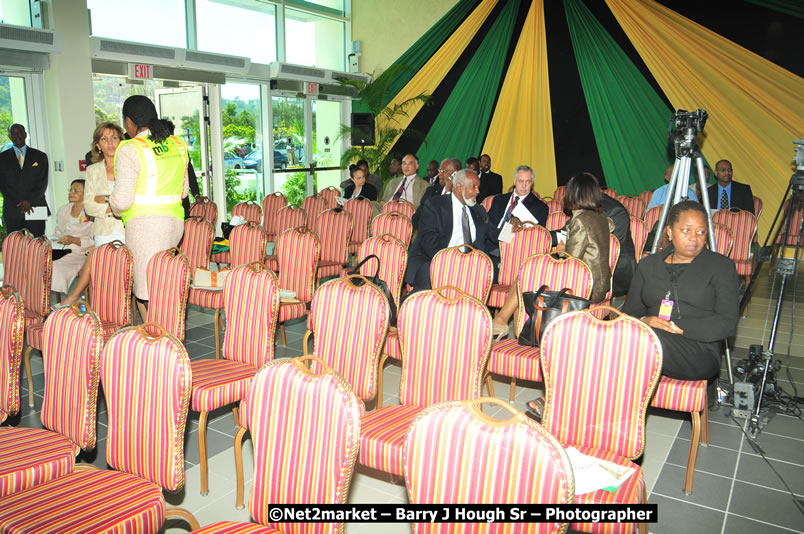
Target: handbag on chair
[380,283]
[542,307]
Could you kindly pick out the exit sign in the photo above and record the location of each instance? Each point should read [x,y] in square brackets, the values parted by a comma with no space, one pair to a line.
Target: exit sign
[310,88]
[138,71]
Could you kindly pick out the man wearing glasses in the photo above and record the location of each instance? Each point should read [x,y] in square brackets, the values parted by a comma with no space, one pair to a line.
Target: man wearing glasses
[443,185]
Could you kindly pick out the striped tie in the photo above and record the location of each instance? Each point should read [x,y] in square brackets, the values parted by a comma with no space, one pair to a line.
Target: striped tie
[21,159]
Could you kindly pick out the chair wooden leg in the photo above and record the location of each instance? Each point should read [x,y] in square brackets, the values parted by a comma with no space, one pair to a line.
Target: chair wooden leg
[383,359]
[489,385]
[181,513]
[512,394]
[694,439]
[216,324]
[238,451]
[306,339]
[236,414]
[643,527]
[202,451]
[282,333]
[29,375]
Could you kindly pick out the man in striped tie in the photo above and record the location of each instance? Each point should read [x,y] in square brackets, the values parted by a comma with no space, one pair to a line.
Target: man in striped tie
[726,193]
[23,181]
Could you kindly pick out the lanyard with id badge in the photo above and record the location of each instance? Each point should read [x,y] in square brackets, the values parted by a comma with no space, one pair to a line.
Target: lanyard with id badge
[667,304]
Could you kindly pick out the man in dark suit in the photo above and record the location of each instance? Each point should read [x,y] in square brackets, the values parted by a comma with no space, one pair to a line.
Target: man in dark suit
[447,221]
[503,205]
[490,182]
[443,185]
[23,181]
[726,193]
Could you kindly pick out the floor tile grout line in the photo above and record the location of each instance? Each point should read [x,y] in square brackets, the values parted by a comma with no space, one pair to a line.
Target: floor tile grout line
[664,462]
[772,458]
[690,502]
[710,473]
[733,482]
[764,522]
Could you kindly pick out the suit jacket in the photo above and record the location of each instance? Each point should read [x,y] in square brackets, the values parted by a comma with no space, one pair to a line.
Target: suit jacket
[621,278]
[435,231]
[419,187]
[430,192]
[490,184]
[705,295]
[500,205]
[28,183]
[741,197]
[588,240]
[367,191]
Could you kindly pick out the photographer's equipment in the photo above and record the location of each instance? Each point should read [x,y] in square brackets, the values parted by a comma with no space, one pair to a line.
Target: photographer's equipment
[684,126]
[543,307]
[760,369]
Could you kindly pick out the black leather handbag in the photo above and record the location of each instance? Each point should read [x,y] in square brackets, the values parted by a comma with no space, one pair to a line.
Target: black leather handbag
[380,283]
[542,307]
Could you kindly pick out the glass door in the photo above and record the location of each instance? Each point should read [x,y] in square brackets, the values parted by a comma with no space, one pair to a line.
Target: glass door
[289,150]
[241,114]
[326,153]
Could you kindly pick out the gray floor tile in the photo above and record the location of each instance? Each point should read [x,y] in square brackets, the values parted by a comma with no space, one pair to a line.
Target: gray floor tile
[709,490]
[216,444]
[199,333]
[770,506]
[676,516]
[743,525]
[780,448]
[710,459]
[786,425]
[755,470]
[722,435]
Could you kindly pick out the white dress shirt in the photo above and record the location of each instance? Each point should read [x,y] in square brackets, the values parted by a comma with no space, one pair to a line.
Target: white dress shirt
[407,193]
[508,205]
[457,229]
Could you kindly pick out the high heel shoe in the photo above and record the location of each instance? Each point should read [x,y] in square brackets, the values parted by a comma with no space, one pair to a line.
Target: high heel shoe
[499,331]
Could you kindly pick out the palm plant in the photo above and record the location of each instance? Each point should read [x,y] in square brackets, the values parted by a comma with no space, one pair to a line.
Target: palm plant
[387,128]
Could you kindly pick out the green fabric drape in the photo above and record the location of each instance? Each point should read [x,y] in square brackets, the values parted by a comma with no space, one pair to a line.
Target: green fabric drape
[788,7]
[461,125]
[417,55]
[628,118]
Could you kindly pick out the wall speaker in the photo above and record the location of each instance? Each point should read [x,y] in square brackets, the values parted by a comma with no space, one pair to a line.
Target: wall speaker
[363,129]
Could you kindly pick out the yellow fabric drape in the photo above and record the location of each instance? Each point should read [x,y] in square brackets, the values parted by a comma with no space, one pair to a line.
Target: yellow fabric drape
[755,107]
[521,130]
[428,78]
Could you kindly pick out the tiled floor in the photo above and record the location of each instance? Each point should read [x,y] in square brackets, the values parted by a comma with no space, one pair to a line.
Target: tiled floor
[735,490]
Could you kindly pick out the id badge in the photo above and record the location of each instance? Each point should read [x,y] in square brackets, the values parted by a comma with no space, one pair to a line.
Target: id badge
[666,309]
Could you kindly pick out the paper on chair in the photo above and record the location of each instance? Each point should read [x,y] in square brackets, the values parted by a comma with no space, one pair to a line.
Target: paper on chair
[592,474]
[39,213]
[506,234]
[523,214]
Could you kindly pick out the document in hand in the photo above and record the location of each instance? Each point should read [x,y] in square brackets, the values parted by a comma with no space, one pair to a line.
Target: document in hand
[39,213]
[523,214]
[592,474]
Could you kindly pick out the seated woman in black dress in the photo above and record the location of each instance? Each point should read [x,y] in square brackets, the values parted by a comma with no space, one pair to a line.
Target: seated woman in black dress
[699,289]
[359,187]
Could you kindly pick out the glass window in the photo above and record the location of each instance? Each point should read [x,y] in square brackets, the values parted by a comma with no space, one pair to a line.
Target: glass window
[242,143]
[17,12]
[313,40]
[288,141]
[13,109]
[156,22]
[245,29]
[335,6]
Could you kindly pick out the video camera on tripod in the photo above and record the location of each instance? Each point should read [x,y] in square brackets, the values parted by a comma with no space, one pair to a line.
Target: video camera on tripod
[684,126]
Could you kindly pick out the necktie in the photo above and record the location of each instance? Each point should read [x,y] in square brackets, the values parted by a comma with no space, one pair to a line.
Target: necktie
[401,189]
[511,206]
[724,201]
[467,232]
[21,159]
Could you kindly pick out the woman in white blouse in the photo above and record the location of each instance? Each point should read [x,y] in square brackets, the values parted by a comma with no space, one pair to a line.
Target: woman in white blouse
[74,233]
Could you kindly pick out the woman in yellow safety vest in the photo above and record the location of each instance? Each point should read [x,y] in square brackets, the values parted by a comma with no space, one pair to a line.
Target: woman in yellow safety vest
[151,180]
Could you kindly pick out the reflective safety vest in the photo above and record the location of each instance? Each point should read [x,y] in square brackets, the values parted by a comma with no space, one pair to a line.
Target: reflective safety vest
[160,182]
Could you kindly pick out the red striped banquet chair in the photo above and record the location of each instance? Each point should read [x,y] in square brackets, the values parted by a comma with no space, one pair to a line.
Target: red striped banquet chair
[463,267]
[400,206]
[532,239]
[360,209]
[313,206]
[294,415]
[554,205]
[610,192]
[197,242]
[298,251]
[287,218]
[556,220]
[169,286]
[743,225]
[445,344]
[333,228]
[652,217]
[30,266]
[329,195]
[146,383]
[393,223]
[646,196]
[251,300]
[635,206]
[249,210]
[582,358]
[757,207]
[14,249]
[508,357]
[454,453]
[639,233]
[558,194]
[271,205]
[723,239]
[206,209]
[12,328]
[487,202]
[71,353]
[248,242]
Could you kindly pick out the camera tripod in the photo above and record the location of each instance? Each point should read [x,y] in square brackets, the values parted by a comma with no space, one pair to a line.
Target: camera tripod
[786,262]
